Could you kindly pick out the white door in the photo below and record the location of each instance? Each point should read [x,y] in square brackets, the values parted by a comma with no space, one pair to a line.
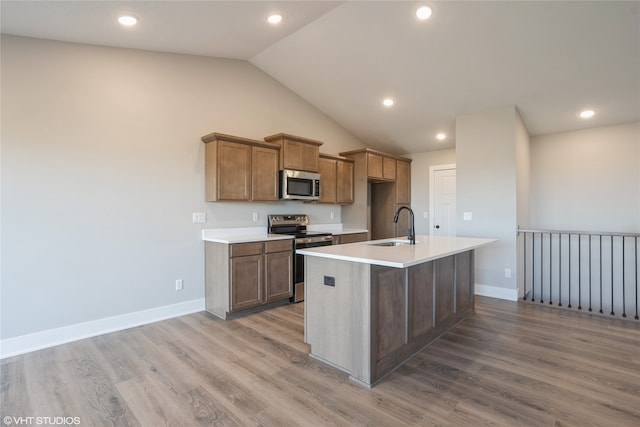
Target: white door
[443,201]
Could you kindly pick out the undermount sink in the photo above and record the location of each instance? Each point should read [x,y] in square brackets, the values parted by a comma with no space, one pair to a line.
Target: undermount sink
[390,243]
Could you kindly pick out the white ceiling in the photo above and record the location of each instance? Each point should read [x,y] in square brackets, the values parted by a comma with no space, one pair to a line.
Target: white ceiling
[549,58]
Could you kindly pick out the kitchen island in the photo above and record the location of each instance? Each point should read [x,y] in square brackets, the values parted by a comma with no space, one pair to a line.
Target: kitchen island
[371,306]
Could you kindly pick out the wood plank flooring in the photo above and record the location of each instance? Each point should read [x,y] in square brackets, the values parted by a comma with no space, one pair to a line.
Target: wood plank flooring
[509,364]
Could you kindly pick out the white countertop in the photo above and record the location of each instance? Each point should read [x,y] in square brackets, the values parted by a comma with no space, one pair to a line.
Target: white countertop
[335,229]
[260,234]
[241,235]
[427,248]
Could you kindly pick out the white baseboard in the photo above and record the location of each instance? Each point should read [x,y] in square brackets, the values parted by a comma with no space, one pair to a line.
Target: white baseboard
[52,337]
[497,292]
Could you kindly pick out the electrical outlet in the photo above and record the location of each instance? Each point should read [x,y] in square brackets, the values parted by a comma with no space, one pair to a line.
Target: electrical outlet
[332,215]
[329,281]
[425,215]
[256,217]
[507,273]
[179,285]
[199,217]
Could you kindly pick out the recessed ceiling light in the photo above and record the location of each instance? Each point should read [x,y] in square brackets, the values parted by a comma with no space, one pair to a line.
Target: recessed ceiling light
[128,20]
[441,136]
[424,12]
[587,114]
[274,19]
[387,102]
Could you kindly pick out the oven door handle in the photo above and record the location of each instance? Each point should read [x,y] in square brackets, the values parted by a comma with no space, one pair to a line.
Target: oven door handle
[326,240]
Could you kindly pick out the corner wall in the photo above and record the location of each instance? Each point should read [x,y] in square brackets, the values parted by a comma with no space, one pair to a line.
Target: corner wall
[488,152]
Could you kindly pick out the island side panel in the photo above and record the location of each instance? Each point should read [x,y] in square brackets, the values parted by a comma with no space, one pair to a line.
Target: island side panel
[331,311]
[217,278]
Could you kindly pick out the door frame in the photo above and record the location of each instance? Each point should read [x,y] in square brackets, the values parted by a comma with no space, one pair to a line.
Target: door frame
[432,185]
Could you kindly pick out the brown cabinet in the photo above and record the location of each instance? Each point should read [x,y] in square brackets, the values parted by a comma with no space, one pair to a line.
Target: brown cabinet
[264,163]
[388,169]
[374,166]
[344,173]
[328,177]
[336,179]
[245,276]
[407,312]
[278,270]
[403,182]
[380,166]
[240,169]
[296,152]
[342,239]
[382,183]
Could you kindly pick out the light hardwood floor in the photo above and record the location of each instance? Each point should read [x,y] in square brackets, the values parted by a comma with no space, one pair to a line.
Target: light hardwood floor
[509,364]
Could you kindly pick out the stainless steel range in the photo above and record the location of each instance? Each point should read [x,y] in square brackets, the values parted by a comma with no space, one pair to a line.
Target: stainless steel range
[296,225]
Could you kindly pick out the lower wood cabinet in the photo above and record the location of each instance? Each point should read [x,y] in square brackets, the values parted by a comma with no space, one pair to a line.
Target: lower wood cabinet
[405,314]
[246,276]
[341,239]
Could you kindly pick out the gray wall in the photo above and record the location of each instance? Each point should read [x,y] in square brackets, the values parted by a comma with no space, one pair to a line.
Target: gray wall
[587,180]
[486,185]
[102,167]
[420,164]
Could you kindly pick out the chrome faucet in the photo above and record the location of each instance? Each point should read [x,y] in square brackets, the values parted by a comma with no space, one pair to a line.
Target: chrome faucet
[412,227]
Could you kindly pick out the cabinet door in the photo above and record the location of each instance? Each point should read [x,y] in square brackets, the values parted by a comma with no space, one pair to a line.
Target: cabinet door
[309,157]
[246,282]
[279,275]
[444,283]
[389,169]
[352,238]
[403,183]
[344,178]
[374,166]
[233,171]
[388,310]
[264,174]
[327,169]
[300,156]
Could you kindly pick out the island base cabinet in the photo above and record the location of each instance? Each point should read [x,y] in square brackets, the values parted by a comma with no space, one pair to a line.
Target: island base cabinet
[375,318]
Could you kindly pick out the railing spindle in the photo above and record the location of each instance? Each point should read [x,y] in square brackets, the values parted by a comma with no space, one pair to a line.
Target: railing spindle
[600,237]
[612,312]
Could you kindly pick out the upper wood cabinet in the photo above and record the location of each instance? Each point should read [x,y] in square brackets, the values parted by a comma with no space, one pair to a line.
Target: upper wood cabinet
[344,173]
[336,179]
[403,182]
[296,152]
[328,176]
[240,169]
[380,167]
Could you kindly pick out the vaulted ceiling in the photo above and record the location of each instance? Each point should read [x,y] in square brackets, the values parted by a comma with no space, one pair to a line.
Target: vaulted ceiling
[551,59]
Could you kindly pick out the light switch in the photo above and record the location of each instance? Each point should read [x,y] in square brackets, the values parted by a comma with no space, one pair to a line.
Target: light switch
[199,217]
[425,215]
[467,216]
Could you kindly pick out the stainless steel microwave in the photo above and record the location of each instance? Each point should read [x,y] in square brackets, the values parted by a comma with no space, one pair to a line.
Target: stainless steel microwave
[299,185]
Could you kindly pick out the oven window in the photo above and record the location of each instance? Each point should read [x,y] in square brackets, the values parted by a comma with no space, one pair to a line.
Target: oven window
[299,187]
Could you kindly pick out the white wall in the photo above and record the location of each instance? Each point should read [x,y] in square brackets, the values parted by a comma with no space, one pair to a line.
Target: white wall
[486,185]
[587,180]
[420,164]
[102,166]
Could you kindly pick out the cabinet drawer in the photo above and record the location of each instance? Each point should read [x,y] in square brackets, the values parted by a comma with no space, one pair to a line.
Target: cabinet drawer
[279,246]
[244,249]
